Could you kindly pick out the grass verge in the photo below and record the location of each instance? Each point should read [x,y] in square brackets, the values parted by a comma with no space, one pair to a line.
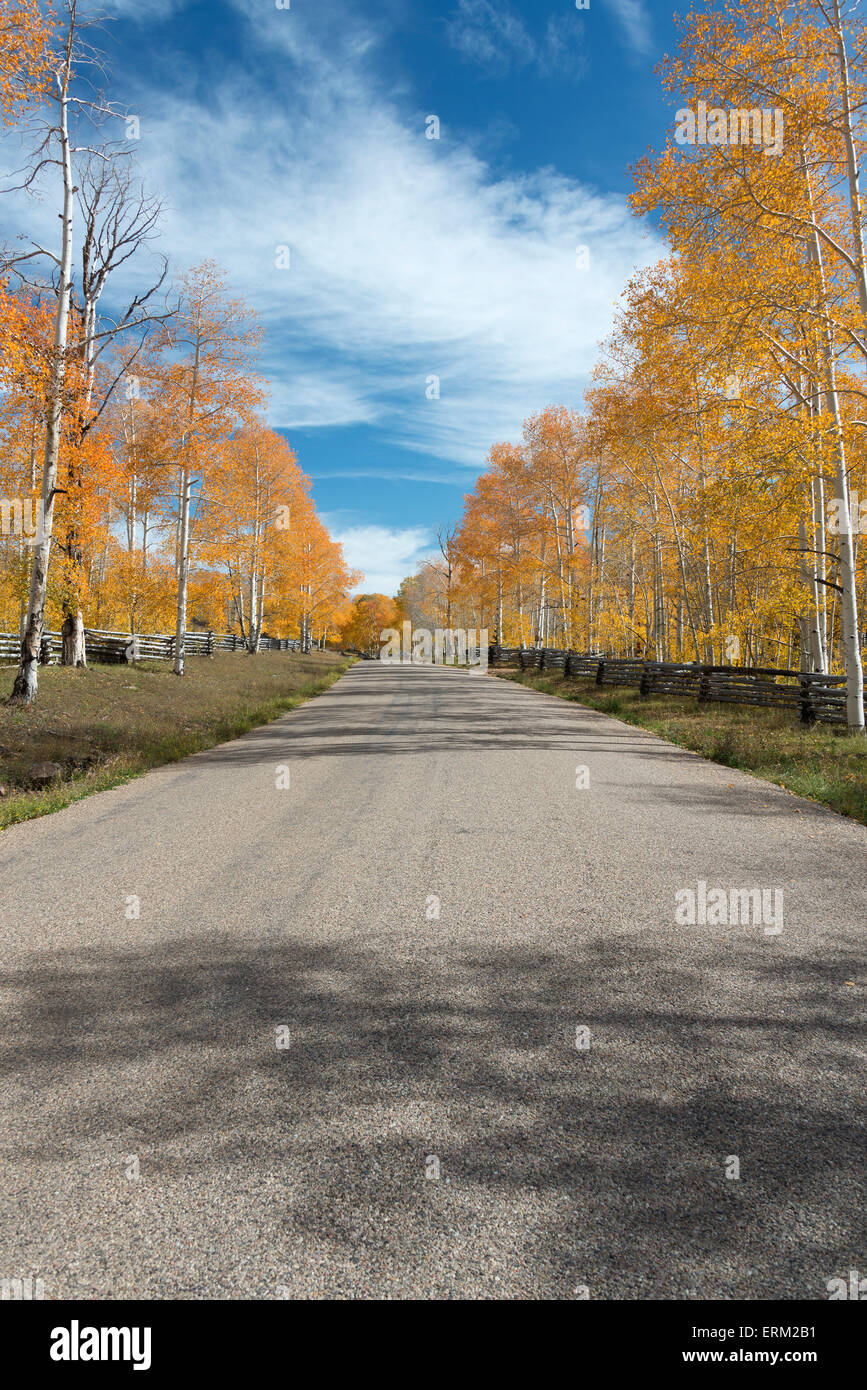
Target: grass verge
[823,764]
[110,723]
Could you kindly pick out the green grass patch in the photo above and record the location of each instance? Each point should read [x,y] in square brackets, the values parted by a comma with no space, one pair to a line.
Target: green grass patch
[822,763]
[110,723]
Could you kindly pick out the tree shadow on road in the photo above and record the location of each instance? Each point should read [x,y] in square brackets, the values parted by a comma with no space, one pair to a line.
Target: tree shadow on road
[559,1166]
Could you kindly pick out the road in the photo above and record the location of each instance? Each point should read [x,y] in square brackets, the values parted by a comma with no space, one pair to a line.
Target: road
[505,1069]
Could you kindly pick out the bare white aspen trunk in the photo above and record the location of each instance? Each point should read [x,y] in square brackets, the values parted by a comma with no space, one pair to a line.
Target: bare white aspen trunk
[500,605]
[252,642]
[848,603]
[72,637]
[131,518]
[183,573]
[184,523]
[630,596]
[33,419]
[852,171]
[850,637]
[178,525]
[817,654]
[820,640]
[133,481]
[26,682]
[708,600]
[255,629]
[260,610]
[600,596]
[256,608]
[239,609]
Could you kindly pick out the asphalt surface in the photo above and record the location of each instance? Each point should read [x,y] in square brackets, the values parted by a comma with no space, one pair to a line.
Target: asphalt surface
[429,911]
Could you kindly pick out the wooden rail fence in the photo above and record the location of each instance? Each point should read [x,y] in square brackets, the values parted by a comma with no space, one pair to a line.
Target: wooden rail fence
[815,697]
[101,645]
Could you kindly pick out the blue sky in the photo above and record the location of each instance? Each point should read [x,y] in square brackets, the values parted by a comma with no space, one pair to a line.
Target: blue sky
[409,257]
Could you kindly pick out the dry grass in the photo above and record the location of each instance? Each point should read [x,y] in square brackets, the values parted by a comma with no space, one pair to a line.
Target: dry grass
[822,763]
[110,723]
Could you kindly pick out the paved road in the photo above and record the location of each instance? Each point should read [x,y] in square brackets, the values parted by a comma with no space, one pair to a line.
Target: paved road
[416,1040]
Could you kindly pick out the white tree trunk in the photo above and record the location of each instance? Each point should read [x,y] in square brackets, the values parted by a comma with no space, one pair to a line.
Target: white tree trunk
[183,572]
[852,170]
[26,683]
[849,607]
[850,637]
[72,634]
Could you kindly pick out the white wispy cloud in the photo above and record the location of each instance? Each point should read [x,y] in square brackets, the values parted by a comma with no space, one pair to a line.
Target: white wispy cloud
[410,258]
[385,555]
[493,35]
[316,398]
[633,17]
[490,34]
